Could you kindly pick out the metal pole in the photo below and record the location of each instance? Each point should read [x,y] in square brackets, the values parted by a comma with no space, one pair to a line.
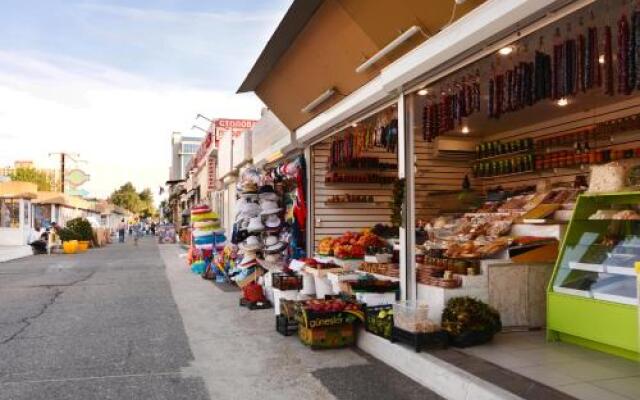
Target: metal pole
[62,156]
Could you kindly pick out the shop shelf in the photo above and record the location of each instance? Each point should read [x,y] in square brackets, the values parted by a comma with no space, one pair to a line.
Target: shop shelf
[586,266]
[573,292]
[378,276]
[508,175]
[359,204]
[621,271]
[617,289]
[505,155]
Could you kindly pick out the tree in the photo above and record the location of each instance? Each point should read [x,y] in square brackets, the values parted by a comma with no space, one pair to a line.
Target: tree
[126,197]
[147,208]
[26,174]
[139,203]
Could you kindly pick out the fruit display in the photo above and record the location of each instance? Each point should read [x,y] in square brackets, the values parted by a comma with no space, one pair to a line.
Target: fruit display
[325,246]
[348,251]
[379,320]
[313,263]
[349,245]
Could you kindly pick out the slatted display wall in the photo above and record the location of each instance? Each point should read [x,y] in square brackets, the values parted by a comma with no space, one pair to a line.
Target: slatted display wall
[435,175]
[335,219]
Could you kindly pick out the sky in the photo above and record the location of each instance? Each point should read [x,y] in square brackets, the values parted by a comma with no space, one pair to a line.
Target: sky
[110,80]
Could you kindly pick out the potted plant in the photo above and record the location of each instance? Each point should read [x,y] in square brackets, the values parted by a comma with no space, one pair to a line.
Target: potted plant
[69,241]
[83,230]
[470,322]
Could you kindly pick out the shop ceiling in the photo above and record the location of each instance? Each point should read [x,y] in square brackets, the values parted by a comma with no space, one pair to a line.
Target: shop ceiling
[319,44]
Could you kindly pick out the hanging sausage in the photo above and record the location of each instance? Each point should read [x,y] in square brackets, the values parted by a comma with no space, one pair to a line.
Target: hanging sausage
[623,55]
[608,62]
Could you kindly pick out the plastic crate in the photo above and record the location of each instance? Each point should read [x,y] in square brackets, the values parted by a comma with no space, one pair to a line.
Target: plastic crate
[379,326]
[421,341]
[284,281]
[413,316]
[286,326]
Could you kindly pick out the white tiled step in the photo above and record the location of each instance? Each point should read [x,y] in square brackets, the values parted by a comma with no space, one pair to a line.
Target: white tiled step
[437,375]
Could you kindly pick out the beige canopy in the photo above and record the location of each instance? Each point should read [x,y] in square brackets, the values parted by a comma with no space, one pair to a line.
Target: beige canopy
[18,190]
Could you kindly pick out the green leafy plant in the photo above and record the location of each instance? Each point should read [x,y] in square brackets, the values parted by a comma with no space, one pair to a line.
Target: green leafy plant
[67,234]
[465,315]
[82,228]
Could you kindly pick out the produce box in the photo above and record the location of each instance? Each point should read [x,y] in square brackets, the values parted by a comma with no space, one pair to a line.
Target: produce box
[379,320]
[321,313]
[328,337]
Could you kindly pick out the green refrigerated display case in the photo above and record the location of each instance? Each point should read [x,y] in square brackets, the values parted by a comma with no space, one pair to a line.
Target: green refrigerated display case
[592,299]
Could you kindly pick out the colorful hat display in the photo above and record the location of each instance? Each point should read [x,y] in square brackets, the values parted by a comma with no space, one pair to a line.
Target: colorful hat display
[272,221]
[252,243]
[270,207]
[273,245]
[249,188]
[249,260]
[255,225]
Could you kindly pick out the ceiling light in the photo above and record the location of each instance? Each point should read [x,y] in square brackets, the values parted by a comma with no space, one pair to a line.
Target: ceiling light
[354,124]
[319,100]
[562,102]
[423,92]
[601,59]
[404,36]
[465,130]
[505,51]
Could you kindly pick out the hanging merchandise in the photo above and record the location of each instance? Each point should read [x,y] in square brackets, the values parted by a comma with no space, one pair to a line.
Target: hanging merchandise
[623,56]
[608,62]
[634,49]
[442,114]
[381,132]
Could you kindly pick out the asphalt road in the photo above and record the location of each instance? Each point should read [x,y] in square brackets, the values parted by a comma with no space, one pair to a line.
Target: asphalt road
[99,325]
[126,322]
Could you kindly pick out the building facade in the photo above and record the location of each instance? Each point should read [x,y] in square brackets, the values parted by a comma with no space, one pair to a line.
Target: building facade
[183,148]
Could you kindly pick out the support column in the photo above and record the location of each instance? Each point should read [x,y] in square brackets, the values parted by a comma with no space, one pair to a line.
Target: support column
[310,198]
[406,170]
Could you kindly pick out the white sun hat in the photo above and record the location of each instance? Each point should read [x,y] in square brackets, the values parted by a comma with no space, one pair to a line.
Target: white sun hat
[252,243]
[270,207]
[255,225]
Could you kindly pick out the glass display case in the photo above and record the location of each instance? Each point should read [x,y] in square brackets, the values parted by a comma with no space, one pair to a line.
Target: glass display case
[593,295]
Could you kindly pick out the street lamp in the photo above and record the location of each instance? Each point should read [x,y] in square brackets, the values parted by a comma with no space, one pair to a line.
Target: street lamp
[197,127]
[203,117]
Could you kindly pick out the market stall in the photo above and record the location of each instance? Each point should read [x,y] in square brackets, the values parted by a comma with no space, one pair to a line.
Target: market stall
[504,145]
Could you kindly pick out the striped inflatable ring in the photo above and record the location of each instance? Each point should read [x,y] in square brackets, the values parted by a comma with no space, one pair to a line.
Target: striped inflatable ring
[204,217]
[200,210]
[206,225]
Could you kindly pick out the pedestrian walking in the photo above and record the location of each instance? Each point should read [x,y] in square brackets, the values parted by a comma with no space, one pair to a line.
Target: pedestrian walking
[137,232]
[122,228]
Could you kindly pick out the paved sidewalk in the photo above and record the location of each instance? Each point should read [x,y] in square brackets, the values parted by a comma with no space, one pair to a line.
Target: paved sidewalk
[241,356]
